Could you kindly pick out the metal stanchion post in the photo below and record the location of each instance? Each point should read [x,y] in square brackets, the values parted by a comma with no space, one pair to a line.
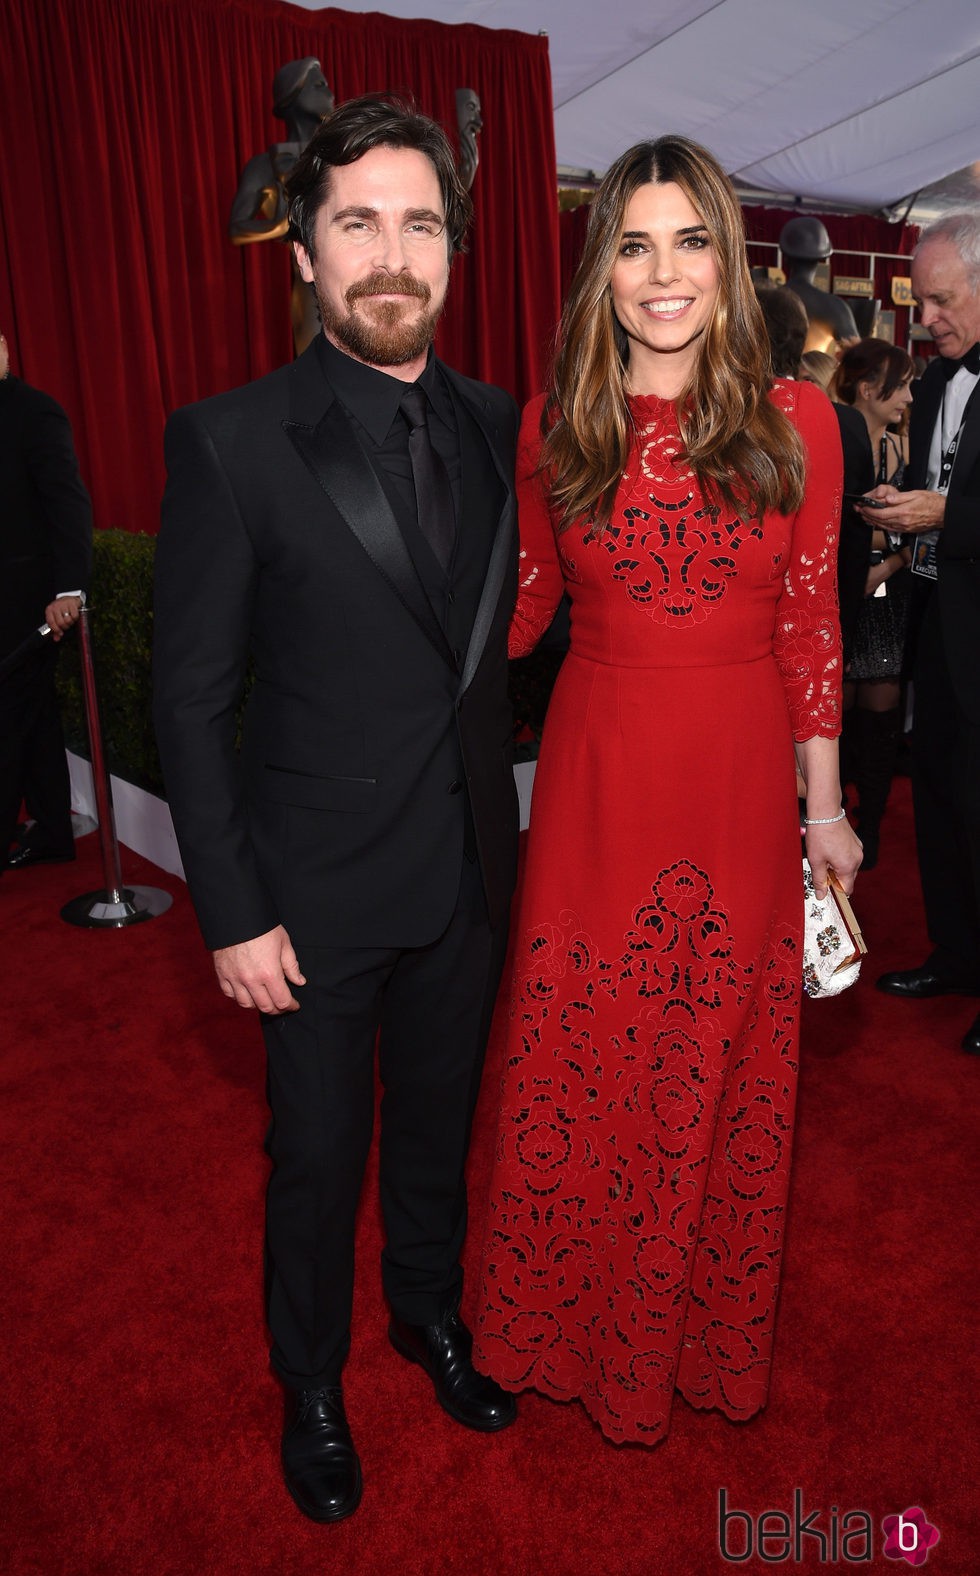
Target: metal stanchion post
[116,905]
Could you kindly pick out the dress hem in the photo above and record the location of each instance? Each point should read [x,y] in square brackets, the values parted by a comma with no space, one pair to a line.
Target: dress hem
[648,1438]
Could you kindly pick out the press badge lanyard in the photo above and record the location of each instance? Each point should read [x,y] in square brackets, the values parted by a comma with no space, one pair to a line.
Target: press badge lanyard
[924,558]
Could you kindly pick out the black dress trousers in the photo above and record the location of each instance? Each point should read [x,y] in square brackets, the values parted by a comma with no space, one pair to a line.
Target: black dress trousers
[429,1010]
[946,800]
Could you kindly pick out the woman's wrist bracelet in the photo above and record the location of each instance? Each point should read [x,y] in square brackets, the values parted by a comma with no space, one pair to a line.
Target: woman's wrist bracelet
[823,820]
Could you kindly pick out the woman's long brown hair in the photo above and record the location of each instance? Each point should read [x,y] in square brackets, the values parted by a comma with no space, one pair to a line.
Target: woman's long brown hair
[742,449]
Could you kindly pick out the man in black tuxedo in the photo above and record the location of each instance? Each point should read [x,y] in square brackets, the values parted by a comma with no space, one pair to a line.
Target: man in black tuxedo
[348,524]
[940,506]
[45,563]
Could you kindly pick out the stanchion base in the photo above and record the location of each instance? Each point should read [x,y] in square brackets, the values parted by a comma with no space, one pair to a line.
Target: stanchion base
[111,910]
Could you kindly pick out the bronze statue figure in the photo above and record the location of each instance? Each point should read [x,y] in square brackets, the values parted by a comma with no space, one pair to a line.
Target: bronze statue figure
[804,243]
[301,97]
[470,122]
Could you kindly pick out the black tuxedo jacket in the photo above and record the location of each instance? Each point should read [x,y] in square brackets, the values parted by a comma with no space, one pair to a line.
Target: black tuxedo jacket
[958,586]
[45,513]
[343,815]
[854,543]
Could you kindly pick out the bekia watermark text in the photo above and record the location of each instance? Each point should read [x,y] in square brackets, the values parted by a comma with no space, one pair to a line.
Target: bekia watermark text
[828,1537]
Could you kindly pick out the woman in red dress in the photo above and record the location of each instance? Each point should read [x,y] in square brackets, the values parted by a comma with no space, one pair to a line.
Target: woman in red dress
[689,505]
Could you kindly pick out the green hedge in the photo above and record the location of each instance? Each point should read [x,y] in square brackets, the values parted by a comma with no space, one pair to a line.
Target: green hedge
[121,623]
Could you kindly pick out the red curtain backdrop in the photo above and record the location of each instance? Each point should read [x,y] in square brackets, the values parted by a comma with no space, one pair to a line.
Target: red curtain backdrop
[124,127]
[849,233]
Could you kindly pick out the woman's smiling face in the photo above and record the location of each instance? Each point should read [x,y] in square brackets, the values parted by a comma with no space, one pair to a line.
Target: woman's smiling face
[664,283]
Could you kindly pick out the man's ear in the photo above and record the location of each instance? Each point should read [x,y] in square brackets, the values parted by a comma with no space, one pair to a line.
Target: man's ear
[303,262]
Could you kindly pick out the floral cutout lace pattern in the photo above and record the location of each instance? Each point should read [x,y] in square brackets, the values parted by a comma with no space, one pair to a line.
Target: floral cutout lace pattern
[644,1161]
[644,1153]
[673,551]
[678,558]
[675,559]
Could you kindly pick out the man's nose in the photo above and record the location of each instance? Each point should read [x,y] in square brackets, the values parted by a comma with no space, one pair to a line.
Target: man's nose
[390,249]
[928,314]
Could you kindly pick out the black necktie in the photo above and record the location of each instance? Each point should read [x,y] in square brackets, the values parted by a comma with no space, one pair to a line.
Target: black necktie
[433,494]
[971,361]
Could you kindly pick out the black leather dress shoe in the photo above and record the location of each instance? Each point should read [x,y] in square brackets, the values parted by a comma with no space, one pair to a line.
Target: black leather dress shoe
[444,1350]
[23,854]
[918,984]
[319,1461]
[971,1039]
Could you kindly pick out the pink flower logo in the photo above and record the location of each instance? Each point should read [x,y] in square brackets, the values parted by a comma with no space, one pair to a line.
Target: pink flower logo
[909,1536]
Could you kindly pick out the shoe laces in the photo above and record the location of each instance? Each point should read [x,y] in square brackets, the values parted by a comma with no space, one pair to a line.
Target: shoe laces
[328,1393]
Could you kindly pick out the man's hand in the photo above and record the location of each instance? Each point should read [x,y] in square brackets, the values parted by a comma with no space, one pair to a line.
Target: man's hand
[61,614]
[254,973]
[910,512]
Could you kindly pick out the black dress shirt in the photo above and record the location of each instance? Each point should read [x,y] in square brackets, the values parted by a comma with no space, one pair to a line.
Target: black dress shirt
[373,400]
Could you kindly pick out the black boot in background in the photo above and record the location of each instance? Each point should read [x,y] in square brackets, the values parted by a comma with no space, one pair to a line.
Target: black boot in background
[876,734]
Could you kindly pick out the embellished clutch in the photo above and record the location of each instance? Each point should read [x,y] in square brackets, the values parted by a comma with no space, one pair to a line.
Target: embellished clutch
[832,941]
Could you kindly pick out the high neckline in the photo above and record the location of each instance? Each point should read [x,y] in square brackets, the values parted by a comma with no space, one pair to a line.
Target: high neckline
[649,404]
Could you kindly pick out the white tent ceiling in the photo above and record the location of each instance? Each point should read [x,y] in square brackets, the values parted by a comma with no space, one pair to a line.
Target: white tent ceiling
[844,103]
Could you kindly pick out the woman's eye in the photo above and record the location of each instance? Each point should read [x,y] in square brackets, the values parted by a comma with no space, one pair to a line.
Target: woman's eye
[630,249]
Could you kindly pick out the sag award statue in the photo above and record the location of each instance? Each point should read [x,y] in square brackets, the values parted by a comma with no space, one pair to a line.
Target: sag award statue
[470,123]
[804,243]
[301,97]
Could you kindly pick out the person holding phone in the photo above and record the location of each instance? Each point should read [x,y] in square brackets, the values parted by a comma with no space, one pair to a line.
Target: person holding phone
[939,506]
[874,379]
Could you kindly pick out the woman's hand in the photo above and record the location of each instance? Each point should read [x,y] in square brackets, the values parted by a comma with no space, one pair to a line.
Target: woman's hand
[836,847]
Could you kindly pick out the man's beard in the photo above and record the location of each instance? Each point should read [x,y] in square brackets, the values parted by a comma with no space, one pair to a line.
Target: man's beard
[384,338]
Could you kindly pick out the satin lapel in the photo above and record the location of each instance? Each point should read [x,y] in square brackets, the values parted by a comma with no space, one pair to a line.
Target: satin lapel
[334,456]
[968,448]
[500,557]
[925,408]
[504,540]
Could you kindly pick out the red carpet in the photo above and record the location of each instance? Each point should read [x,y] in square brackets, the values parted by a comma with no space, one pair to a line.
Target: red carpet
[140,1431]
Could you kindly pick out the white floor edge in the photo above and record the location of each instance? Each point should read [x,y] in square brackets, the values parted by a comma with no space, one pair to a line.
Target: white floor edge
[143,821]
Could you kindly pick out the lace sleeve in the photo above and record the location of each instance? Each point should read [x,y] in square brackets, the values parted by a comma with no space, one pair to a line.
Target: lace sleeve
[807,641]
[540,583]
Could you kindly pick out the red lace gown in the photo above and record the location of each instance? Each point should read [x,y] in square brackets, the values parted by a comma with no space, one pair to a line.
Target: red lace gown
[643,1158]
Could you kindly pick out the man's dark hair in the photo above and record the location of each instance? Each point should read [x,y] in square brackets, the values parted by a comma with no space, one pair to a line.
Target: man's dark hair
[376,120]
[786,325]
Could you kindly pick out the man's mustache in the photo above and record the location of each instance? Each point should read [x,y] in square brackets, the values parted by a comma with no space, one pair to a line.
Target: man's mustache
[387,284]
